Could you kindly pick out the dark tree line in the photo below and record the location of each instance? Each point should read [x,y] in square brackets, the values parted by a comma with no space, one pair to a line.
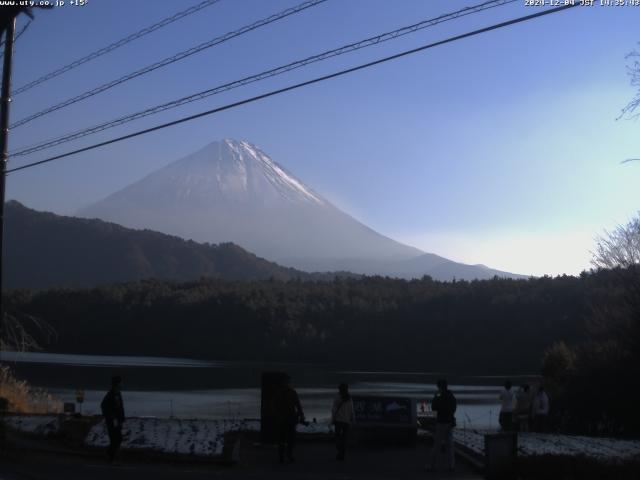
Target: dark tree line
[494,326]
[589,327]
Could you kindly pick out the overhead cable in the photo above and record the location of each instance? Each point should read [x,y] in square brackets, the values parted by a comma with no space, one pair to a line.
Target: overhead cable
[295,86]
[111,47]
[260,76]
[169,60]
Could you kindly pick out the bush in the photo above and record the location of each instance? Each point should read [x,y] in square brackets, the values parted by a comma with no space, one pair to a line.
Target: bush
[23,398]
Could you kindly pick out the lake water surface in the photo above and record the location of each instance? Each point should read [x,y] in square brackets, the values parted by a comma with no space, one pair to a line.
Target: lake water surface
[187,388]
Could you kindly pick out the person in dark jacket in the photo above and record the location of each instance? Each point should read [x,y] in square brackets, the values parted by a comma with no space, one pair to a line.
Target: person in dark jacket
[342,416]
[444,404]
[113,413]
[288,411]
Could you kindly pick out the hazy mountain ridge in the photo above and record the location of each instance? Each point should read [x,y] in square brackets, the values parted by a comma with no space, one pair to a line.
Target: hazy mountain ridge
[45,250]
[435,266]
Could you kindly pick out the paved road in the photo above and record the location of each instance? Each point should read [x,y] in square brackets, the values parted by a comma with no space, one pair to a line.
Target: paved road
[315,460]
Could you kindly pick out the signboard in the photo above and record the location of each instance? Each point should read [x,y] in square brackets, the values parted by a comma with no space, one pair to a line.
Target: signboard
[79,395]
[385,411]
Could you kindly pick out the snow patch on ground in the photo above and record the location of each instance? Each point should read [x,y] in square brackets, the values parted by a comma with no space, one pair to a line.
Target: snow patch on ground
[310,428]
[190,437]
[35,424]
[177,436]
[533,444]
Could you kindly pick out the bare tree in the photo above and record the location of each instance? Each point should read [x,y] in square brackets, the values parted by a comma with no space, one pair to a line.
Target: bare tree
[619,248]
[616,310]
[632,110]
[18,332]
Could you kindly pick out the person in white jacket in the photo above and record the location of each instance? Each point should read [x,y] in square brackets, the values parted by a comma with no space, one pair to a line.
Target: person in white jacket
[540,410]
[342,417]
[507,402]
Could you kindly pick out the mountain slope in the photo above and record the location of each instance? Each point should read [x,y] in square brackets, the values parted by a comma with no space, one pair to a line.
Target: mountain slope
[46,250]
[231,191]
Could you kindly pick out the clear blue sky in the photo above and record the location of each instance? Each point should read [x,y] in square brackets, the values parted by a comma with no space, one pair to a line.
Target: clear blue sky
[501,149]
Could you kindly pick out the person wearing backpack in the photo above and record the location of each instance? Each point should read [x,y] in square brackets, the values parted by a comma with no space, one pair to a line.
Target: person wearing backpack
[445,405]
[342,417]
[289,413]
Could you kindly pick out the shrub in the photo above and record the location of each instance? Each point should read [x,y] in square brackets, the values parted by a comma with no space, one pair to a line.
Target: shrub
[24,398]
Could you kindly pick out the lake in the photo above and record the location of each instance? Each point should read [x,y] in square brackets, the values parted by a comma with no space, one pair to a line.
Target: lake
[187,388]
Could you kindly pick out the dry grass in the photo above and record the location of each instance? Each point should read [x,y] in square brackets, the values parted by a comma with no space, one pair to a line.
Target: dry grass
[26,399]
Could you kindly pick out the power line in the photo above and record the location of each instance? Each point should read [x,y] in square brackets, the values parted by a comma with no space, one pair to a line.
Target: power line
[109,48]
[18,35]
[23,29]
[169,60]
[261,76]
[298,85]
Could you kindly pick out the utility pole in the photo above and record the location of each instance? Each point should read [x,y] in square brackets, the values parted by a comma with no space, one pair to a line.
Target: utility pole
[5,101]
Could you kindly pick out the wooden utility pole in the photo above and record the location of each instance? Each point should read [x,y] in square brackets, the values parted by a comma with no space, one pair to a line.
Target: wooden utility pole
[5,101]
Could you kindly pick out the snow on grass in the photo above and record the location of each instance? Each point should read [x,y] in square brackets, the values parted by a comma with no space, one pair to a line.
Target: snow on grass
[313,427]
[190,437]
[35,424]
[310,428]
[179,436]
[533,444]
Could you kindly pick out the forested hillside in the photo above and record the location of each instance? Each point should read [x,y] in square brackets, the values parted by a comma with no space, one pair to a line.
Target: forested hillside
[45,250]
[493,326]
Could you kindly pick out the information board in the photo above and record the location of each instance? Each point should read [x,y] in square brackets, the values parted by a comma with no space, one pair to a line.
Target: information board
[385,411]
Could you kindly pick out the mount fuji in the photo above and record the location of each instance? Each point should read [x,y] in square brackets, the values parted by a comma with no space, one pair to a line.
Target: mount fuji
[231,191]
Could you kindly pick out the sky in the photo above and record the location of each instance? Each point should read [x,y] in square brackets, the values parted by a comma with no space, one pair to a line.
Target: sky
[502,149]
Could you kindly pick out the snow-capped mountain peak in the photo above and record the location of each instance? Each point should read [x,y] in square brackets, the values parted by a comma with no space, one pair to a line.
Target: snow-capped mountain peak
[230,190]
[248,155]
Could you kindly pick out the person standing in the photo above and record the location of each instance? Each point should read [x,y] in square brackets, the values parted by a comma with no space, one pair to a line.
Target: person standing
[342,417]
[523,408]
[113,412]
[540,410]
[506,407]
[289,413]
[445,405]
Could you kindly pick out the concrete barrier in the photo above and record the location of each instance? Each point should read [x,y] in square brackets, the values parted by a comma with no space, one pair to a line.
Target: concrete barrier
[501,455]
